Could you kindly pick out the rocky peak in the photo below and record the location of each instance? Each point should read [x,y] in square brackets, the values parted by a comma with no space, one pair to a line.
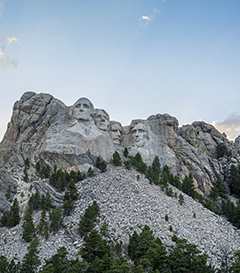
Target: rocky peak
[43,127]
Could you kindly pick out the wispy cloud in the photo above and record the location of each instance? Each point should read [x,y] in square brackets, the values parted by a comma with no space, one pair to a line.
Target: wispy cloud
[12,40]
[163,1]
[145,20]
[6,59]
[230,126]
[1,8]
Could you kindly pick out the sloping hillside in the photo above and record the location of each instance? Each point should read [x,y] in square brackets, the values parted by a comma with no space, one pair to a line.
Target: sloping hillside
[127,203]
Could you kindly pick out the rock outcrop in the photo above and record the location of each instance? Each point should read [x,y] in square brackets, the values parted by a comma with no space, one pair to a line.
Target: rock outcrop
[44,128]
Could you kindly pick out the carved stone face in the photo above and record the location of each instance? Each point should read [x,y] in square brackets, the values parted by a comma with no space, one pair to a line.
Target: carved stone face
[83,110]
[139,134]
[116,132]
[101,119]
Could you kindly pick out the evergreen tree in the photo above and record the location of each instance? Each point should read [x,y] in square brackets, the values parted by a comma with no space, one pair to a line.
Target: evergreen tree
[68,205]
[221,150]
[235,180]
[164,179]
[72,189]
[42,222]
[14,217]
[101,164]
[27,163]
[139,244]
[28,228]
[116,160]
[31,261]
[188,185]
[25,177]
[3,264]
[181,199]
[218,189]
[157,255]
[4,219]
[46,232]
[125,152]
[235,266]
[87,221]
[119,265]
[139,164]
[56,219]
[58,262]
[8,193]
[38,167]
[48,202]
[104,229]
[77,267]
[127,164]
[94,246]
[90,172]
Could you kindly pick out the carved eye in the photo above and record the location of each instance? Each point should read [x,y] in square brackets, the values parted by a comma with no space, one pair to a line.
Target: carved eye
[78,106]
[85,106]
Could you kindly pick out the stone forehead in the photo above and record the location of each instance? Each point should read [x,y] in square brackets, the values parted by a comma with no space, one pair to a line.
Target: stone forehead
[139,126]
[102,111]
[86,100]
[115,125]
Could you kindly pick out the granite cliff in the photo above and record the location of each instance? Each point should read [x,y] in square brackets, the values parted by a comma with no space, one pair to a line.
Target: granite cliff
[44,128]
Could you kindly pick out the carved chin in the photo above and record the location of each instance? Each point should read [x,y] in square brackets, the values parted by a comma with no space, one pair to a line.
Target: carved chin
[140,143]
[83,117]
[102,127]
[117,141]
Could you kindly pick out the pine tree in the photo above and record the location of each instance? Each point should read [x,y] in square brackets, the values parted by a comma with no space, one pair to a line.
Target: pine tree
[48,202]
[181,199]
[125,152]
[25,177]
[90,172]
[87,221]
[101,164]
[119,265]
[188,185]
[116,160]
[8,193]
[14,217]
[94,246]
[31,261]
[56,219]
[28,228]
[58,263]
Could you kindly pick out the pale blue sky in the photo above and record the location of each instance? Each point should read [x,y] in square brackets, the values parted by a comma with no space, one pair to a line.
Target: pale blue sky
[132,58]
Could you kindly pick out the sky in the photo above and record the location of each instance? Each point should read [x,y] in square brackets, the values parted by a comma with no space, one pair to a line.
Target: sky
[132,58]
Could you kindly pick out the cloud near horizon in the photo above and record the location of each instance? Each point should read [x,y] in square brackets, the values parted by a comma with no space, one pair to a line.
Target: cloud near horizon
[6,60]
[230,126]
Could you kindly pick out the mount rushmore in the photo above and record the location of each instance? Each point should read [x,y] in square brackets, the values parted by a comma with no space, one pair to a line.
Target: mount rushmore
[72,137]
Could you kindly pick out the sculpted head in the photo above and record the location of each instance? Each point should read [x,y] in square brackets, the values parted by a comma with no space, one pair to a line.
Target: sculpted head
[83,110]
[139,134]
[116,131]
[101,119]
